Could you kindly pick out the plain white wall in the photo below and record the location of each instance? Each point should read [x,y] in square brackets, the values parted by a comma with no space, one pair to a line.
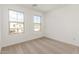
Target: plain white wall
[0,28]
[63,24]
[29,34]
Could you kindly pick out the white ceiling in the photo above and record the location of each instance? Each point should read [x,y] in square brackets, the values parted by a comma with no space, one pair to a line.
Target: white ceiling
[44,7]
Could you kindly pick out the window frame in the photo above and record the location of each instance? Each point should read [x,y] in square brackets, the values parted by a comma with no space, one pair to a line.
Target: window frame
[15,22]
[37,23]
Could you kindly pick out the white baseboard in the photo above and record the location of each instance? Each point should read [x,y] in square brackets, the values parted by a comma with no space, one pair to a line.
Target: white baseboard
[72,43]
[17,42]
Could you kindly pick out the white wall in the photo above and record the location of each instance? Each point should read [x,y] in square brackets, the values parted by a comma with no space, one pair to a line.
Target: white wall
[29,34]
[0,28]
[63,24]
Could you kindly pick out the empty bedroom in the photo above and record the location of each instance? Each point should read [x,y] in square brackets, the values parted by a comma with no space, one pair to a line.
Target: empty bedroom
[39,28]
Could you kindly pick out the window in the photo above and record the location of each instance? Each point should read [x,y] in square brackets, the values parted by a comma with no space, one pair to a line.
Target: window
[36,21]
[16,22]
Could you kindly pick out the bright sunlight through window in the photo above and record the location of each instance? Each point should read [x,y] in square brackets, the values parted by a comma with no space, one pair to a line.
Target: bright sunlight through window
[16,22]
[36,21]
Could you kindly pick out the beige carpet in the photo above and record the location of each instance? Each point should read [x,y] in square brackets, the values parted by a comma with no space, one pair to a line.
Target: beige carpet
[41,46]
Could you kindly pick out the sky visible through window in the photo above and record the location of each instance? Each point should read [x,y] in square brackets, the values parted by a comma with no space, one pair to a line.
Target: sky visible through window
[36,19]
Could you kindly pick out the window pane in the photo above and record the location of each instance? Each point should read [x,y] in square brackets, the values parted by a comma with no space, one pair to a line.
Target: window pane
[13,25]
[36,27]
[36,19]
[20,17]
[20,30]
[13,30]
[16,27]
[20,27]
[12,16]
